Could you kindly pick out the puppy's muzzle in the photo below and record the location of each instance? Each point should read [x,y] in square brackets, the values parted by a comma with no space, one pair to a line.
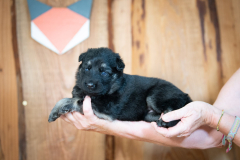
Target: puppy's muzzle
[90,85]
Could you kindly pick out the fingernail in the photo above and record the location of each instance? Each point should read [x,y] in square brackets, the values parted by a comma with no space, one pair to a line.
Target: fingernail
[87,98]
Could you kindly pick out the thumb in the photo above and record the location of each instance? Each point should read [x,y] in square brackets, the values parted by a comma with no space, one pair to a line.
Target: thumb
[174,115]
[87,107]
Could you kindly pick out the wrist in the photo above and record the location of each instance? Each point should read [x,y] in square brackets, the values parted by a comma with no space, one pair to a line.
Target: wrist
[211,115]
[206,113]
[215,117]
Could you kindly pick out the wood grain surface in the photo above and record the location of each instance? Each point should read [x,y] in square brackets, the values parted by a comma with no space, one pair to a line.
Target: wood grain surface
[58,3]
[47,78]
[9,149]
[193,44]
[180,41]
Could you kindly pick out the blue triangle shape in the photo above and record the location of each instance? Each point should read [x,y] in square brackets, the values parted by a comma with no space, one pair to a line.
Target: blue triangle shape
[82,7]
[37,8]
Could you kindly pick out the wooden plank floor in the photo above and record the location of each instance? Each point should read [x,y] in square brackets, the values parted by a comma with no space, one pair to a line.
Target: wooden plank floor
[194,44]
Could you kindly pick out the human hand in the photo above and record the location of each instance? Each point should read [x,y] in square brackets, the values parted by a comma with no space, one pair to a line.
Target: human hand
[139,130]
[193,115]
[88,121]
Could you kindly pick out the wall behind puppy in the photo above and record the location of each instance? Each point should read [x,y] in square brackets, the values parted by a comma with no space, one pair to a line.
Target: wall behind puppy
[193,44]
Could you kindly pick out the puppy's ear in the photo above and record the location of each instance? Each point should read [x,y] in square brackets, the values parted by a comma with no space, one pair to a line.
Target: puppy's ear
[114,88]
[120,64]
[81,57]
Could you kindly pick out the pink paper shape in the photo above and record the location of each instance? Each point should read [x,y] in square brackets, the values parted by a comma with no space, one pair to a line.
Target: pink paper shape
[60,25]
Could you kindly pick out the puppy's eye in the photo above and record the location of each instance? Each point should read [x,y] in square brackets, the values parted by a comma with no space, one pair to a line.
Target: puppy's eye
[104,73]
[88,68]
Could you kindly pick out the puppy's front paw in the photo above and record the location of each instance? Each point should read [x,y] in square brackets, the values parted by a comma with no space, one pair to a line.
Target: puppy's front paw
[53,116]
[63,106]
[65,109]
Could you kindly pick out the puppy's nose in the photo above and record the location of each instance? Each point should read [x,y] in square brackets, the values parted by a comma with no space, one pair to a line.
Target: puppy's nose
[90,85]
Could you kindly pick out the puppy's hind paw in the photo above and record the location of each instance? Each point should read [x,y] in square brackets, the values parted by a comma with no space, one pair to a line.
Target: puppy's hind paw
[161,123]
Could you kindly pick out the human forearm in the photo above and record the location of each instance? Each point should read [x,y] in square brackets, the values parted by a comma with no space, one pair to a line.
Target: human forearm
[229,96]
[229,101]
[202,138]
[225,124]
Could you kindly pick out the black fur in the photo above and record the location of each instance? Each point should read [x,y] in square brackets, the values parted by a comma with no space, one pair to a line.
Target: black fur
[116,95]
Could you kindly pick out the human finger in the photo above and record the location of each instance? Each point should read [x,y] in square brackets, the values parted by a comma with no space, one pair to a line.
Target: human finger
[87,109]
[80,120]
[70,117]
[177,130]
[79,117]
[85,123]
[65,118]
[175,115]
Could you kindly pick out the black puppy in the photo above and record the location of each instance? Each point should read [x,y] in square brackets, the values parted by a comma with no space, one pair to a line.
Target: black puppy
[120,96]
